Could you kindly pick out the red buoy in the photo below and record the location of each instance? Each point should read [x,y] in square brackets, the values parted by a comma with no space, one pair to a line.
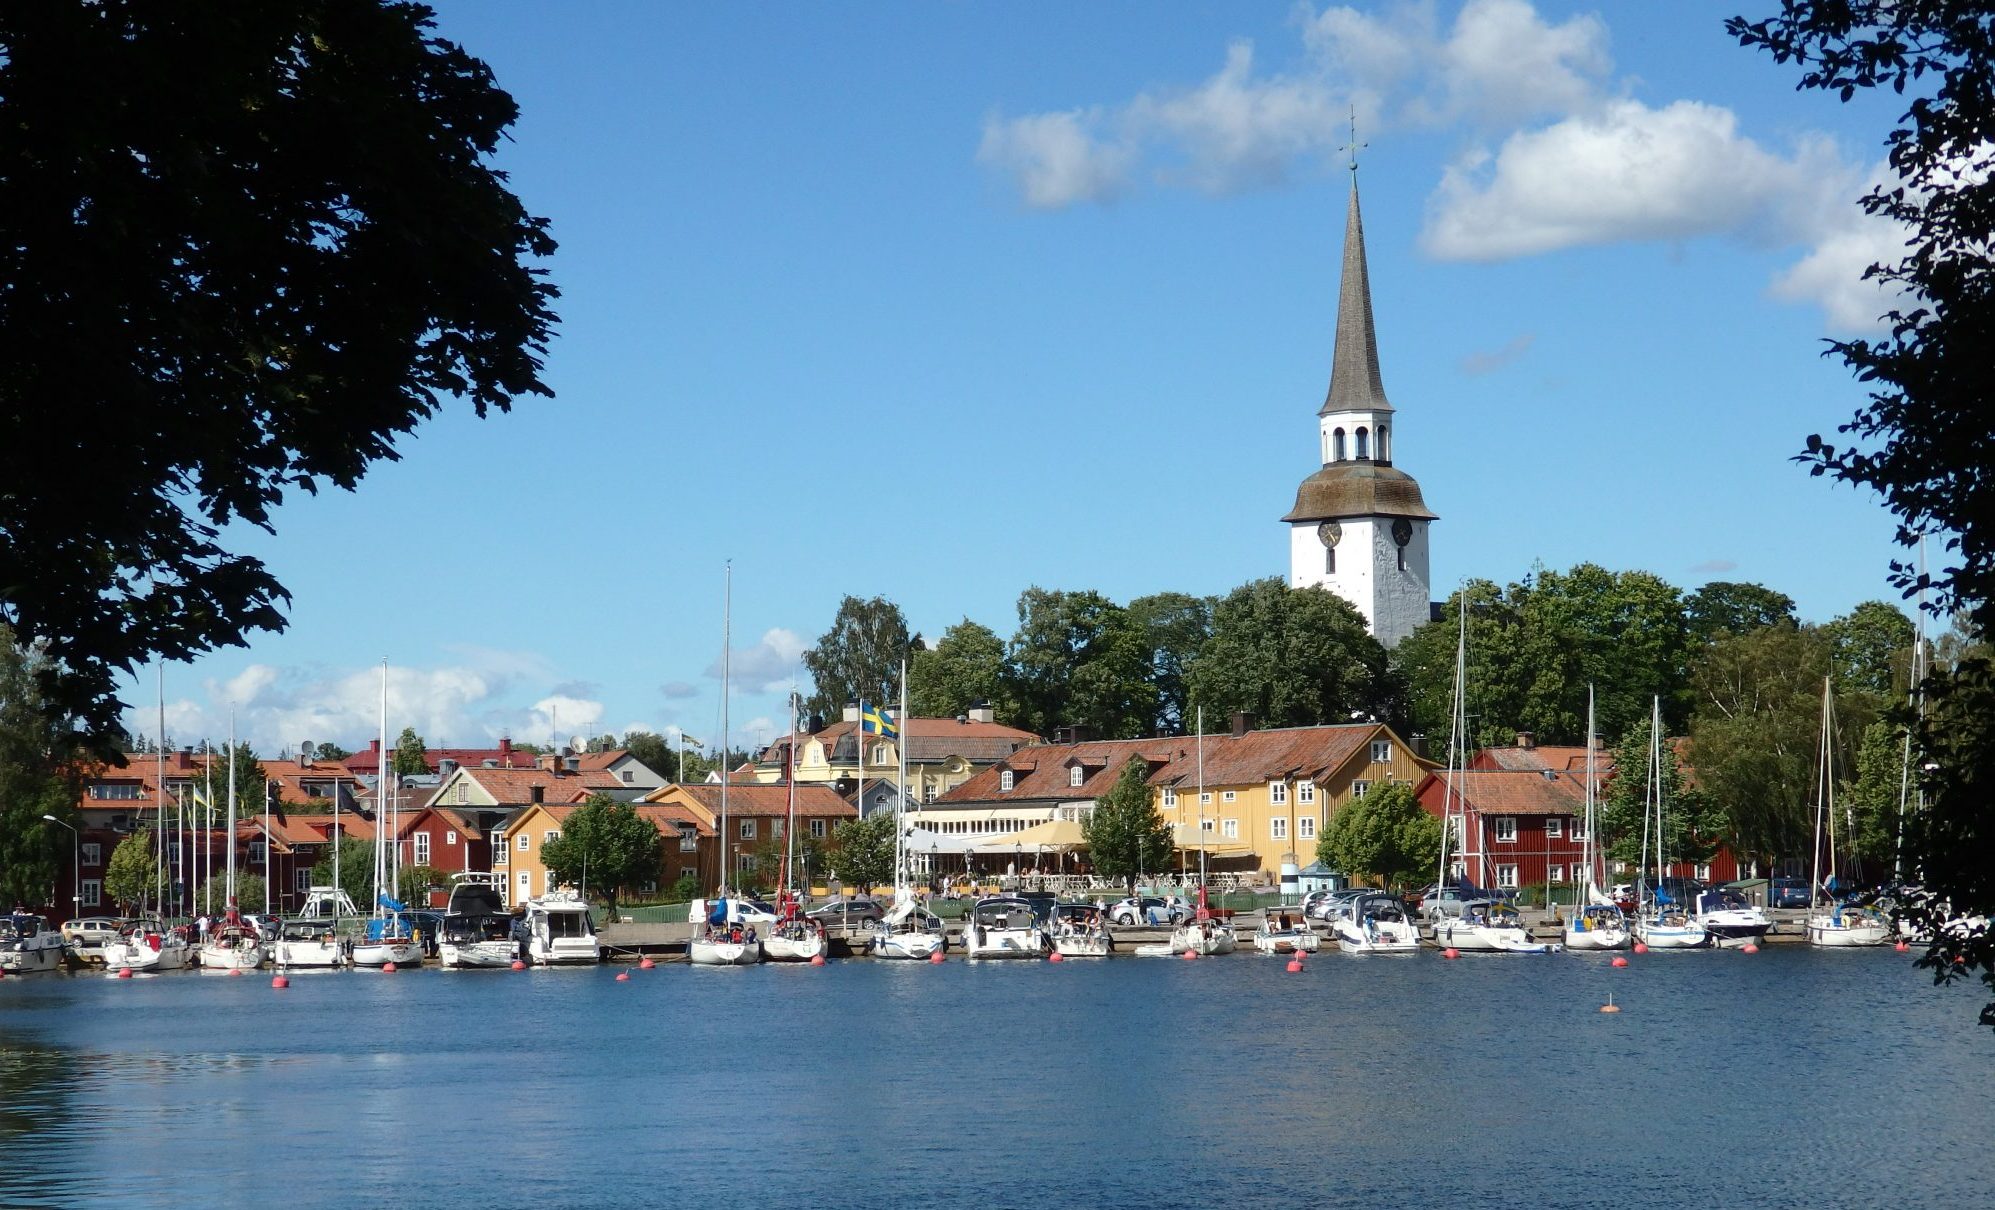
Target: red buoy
[124,972]
[817,959]
[623,976]
[1901,947]
[1190,953]
[1056,956]
[1294,966]
[1451,952]
[937,957]
[1619,961]
[1641,947]
[280,983]
[1750,948]
[234,971]
[518,965]
[387,968]
[646,964]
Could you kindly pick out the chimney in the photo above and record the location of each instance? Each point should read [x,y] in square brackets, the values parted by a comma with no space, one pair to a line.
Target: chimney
[1418,742]
[547,762]
[816,724]
[852,711]
[981,712]
[505,753]
[1243,722]
[571,764]
[537,794]
[1526,740]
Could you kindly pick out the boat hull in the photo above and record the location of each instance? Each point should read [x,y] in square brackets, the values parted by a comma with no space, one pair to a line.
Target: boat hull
[33,959]
[1287,943]
[778,948]
[1658,935]
[1470,938]
[1205,943]
[1353,938]
[1596,938]
[478,954]
[909,947]
[246,956]
[724,953]
[1083,945]
[1735,927]
[143,957]
[1849,933]
[381,953]
[986,942]
[308,954]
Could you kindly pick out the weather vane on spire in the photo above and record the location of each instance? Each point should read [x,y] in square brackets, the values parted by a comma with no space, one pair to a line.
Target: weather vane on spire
[1354,145]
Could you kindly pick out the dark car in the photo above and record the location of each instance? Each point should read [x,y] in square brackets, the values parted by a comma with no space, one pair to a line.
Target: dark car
[1787,893]
[845,912]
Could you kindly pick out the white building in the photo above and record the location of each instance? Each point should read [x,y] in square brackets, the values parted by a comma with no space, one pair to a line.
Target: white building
[1359,526]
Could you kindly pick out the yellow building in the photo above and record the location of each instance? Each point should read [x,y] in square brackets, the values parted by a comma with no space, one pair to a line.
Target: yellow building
[1266,797]
[942,753]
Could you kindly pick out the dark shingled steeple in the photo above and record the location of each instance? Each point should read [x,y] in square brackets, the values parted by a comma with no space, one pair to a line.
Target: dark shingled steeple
[1354,376]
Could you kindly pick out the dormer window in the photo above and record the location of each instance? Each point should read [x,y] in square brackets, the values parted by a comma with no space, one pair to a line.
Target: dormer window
[1005,781]
[1076,775]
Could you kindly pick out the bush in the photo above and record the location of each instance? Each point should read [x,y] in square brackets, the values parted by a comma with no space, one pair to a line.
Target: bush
[687,888]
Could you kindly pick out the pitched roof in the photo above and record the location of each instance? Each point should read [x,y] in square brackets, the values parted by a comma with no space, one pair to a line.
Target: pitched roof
[1355,384]
[368,761]
[1508,791]
[1566,758]
[514,787]
[927,740]
[665,816]
[815,799]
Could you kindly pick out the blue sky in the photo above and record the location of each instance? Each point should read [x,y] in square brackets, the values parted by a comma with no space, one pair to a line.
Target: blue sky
[941,301]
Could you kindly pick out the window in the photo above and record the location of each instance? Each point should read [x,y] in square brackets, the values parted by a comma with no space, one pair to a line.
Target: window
[301,881]
[1278,793]
[1506,877]
[1305,828]
[1230,829]
[1556,873]
[92,891]
[1205,798]
[1702,871]
[1337,444]
[1329,560]
[1381,751]
[1305,792]
[1554,825]
[747,829]
[1076,775]
[689,841]
[817,828]
[929,791]
[499,847]
[549,837]
[526,885]
[1400,553]
[114,791]
[1207,825]
[422,848]
[523,842]
[1278,828]
[449,838]
[1170,797]
[1227,796]
[463,792]
[1506,829]
[1578,828]
[256,851]
[776,829]
[1363,445]
[93,854]
[1005,781]
[1384,450]
[744,863]
[628,777]
[1360,788]
[547,881]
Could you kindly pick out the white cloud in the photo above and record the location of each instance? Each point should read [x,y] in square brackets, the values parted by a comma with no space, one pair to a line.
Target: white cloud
[1237,131]
[767,667]
[1058,159]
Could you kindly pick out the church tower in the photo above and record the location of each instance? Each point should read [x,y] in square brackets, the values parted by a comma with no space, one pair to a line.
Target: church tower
[1359,526]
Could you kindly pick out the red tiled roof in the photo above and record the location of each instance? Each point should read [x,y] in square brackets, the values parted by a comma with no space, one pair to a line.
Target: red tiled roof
[1506,791]
[665,816]
[816,799]
[369,760]
[514,787]
[928,740]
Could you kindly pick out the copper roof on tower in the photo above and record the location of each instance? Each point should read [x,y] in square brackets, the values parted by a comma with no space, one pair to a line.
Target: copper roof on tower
[1354,378]
[1358,489]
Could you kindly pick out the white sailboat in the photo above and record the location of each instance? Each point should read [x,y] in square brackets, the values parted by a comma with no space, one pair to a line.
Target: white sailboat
[794,937]
[388,939]
[1660,922]
[1377,923]
[232,943]
[1597,921]
[724,940]
[148,944]
[1838,926]
[906,932]
[1204,934]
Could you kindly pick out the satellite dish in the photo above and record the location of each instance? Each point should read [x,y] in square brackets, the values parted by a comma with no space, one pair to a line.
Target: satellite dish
[306,751]
[578,744]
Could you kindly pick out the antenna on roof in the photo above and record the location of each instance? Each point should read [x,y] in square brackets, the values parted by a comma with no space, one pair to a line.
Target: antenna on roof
[306,751]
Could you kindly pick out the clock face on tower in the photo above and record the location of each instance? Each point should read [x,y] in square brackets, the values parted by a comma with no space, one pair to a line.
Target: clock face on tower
[1330,532]
[1402,531]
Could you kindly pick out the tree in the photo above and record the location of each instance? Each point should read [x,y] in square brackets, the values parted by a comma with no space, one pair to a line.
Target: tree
[861,852]
[230,283]
[965,668]
[1872,649]
[1920,439]
[605,845]
[1723,607]
[249,892]
[860,657]
[356,871]
[1294,657]
[1693,825]
[413,882]
[329,752]
[1079,659]
[35,780]
[654,752]
[1386,835]
[411,754]
[133,874]
[1876,800]
[1125,835]
[1176,627]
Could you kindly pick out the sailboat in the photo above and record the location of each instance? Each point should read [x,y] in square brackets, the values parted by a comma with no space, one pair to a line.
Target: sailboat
[794,937]
[1597,921]
[1375,923]
[388,939]
[724,940]
[1842,925]
[232,943]
[1203,934]
[1661,923]
[147,944]
[906,932]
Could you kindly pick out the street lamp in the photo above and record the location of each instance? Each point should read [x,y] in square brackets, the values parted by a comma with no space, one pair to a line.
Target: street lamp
[75,867]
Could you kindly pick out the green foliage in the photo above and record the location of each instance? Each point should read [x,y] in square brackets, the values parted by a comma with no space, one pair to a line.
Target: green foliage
[1693,824]
[686,888]
[410,754]
[1175,627]
[1295,657]
[1872,649]
[1722,607]
[861,852]
[1126,837]
[329,752]
[604,847]
[1386,836]
[654,752]
[859,657]
[133,874]
[312,256]
[413,883]
[33,781]
[1872,800]
[249,893]
[356,871]
[249,779]
[765,875]
[1079,659]
[965,667]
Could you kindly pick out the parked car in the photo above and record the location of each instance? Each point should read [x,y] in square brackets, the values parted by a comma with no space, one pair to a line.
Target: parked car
[1787,893]
[1324,905]
[1448,900]
[1148,909]
[90,932]
[844,911]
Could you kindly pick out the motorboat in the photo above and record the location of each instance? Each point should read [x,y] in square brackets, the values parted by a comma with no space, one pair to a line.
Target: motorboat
[28,944]
[1079,931]
[232,944]
[477,928]
[1207,937]
[559,931]
[1488,926]
[1282,934]
[907,932]
[1003,926]
[1375,924]
[1728,919]
[148,945]
[308,942]
[1597,926]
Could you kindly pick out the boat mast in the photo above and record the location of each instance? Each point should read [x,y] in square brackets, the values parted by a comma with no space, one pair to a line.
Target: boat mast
[159,801]
[1648,815]
[339,835]
[1201,806]
[208,826]
[229,887]
[727,774]
[1451,803]
[1825,795]
[790,776]
[1586,846]
[900,791]
[381,798]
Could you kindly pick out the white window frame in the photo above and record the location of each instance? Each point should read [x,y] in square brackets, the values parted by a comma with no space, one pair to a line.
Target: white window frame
[744,862]
[499,849]
[1005,781]
[1278,827]
[93,854]
[817,828]
[301,880]
[1230,829]
[1360,788]
[449,837]
[523,841]
[689,842]
[547,882]
[1205,798]
[1305,792]
[1555,873]
[1501,824]
[1278,793]
[1555,827]
[422,848]
[1381,751]
[549,837]
[1578,830]
[1076,775]
[747,829]
[1208,825]
[1228,795]
[1506,877]
[1170,797]
[1701,871]
[92,892]
[1305,827]
[256,850]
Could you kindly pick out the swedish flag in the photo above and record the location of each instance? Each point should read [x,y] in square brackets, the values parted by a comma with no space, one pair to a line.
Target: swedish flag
[874,720]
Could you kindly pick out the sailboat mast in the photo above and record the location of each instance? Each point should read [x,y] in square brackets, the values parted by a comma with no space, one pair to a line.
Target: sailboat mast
[338,836]
[208,826]
[727,774]
[790,776]
[1201,805]
[900,791]
[381,776]
[229,838]
[1586,846]
[1451,802]
[159,800]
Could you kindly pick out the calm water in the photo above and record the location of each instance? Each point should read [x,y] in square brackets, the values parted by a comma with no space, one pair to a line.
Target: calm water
[1786,1078]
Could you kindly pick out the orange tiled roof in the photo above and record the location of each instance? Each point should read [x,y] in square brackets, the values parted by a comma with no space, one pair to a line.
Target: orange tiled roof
[815,800]
[1508,791]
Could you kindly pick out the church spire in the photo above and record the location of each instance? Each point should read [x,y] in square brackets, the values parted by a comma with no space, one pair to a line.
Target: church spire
[1355,385]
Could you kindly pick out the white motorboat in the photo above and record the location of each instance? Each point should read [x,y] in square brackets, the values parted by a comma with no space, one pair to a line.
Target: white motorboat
[1375,924]
[148,945]
[1488,927]
[907,932]
[1003,926]
[1841,925]
[305,943]
[559,931]
[1728,919]
[1080,932]
[477,929]
[28,944]
[1282,934]
[1597,926]
[232,944]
